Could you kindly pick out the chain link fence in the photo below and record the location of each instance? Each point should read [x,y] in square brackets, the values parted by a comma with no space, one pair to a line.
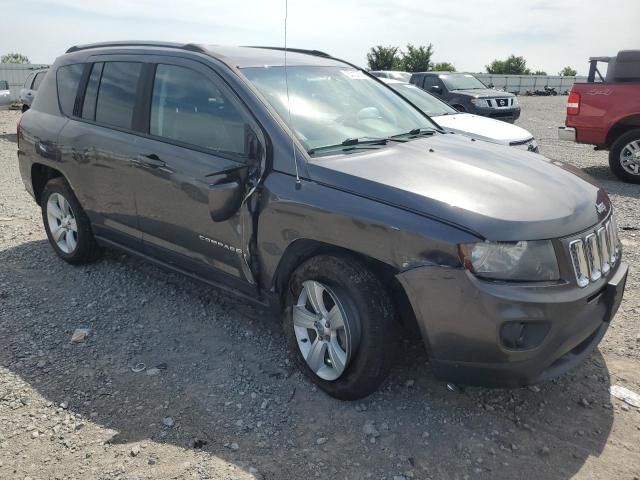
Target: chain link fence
[521,84]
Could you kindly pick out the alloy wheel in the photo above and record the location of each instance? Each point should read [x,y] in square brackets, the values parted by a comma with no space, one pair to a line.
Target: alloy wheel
[322,330]
[630,157]
[62,223]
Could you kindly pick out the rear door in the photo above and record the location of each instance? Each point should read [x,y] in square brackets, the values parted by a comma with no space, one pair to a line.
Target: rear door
[100,142]
[193,161]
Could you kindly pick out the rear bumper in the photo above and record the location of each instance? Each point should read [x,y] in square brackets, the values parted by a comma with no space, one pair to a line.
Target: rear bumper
[567,133]
[463,322]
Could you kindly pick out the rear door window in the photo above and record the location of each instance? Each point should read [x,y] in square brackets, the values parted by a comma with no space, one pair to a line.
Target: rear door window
[117,94]
[91,94]
[68,79]
[190,108]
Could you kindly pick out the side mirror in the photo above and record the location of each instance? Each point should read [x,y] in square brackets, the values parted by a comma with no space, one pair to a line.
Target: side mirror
[225,197]
[436,89]
[226,189]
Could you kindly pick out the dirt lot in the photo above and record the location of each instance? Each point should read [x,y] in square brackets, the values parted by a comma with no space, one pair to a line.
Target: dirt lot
[218,398]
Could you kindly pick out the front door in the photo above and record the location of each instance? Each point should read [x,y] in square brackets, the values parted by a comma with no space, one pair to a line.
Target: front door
[192,173]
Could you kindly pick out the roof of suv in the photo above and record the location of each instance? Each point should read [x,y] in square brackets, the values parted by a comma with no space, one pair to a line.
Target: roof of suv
[241,57]
[441,73]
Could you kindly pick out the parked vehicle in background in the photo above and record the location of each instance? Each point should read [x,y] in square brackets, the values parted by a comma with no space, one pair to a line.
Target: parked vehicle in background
[5,95]
[394,74]
[545,92]
[466,93]
[474,126]
[605,112]
[30,87]
[345,208]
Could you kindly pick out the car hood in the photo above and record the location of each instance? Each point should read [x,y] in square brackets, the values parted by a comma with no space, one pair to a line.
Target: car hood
[483,128]
[492,191]
[483,93]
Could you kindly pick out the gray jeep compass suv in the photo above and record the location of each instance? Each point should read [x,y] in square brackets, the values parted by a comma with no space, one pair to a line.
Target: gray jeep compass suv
[319,190]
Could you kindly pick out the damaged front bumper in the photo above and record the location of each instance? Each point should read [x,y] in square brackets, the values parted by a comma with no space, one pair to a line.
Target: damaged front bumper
[503,335]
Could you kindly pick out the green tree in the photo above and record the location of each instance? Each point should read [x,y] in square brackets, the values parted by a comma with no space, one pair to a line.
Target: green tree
[511,66]
[443,67]
[14,57]
[539,72]
[568,72]
[417,59]
[384,58]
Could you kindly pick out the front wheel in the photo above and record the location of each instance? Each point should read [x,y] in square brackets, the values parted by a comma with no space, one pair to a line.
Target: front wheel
[66,224]
[25,108]
[340,325]
[624,156]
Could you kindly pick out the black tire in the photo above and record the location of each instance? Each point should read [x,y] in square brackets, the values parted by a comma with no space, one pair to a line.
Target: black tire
[25,108]
[459,108]
[369,315]
[86,249]
[614,156]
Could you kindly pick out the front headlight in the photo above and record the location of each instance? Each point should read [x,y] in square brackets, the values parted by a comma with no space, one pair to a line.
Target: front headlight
[515,102]
[480,102]
[531,261]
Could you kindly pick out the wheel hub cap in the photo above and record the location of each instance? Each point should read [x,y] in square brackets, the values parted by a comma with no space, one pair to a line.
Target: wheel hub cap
[630,157]
[321,331]
[62,223]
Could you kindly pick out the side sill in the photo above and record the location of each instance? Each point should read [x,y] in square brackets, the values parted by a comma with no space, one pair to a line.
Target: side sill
[255,300]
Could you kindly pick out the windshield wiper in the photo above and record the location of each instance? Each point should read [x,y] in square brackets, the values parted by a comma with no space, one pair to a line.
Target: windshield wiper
[364,141]
[420,131]
[349,144]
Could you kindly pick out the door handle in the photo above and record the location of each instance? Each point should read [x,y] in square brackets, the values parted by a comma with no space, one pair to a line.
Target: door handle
[151,160]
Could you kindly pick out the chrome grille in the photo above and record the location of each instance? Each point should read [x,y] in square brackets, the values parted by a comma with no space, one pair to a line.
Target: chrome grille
[595,255]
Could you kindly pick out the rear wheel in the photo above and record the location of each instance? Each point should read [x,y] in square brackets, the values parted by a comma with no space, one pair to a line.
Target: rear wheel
[340,326]
[624,157]
[66,224]
[25,108]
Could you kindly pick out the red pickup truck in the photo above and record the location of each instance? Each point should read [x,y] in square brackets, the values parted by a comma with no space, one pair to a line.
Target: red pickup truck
[605,112]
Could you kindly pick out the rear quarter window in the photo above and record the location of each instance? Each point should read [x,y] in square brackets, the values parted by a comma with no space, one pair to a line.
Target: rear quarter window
[67,80]
[38,80]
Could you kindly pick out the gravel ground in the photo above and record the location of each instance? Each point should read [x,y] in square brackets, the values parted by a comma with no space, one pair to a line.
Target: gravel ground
[219,399]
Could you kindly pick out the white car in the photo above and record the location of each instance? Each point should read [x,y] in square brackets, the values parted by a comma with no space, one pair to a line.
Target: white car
[475,126]
[5,95]
[30,87]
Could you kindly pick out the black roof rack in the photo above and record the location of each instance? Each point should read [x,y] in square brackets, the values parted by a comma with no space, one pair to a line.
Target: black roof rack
[182,46]
[316,53]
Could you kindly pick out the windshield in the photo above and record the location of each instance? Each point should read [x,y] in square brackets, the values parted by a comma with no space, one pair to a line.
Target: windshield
[423,100]
[331,105]
[4,85]
[461,82]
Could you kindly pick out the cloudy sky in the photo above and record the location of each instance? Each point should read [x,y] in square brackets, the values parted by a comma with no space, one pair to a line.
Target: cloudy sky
[470,33]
